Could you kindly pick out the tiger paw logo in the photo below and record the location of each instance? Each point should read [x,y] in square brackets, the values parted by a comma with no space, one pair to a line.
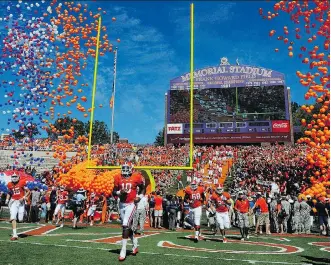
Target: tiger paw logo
[280,249]
[325,246]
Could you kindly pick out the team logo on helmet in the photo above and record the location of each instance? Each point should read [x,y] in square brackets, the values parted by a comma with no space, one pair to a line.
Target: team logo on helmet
[194,185]
[126,170]
[219,189]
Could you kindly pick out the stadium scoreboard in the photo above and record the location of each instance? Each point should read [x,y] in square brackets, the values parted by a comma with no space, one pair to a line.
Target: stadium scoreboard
[232,104]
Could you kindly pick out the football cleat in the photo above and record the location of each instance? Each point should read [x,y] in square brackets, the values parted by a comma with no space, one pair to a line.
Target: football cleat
[122,255]
[135,251]
[13,238]
[196,240]
[225,240]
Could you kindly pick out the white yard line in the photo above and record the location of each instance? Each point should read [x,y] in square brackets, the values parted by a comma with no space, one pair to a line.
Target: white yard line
[54,229]
[81,234]
[9,228]
[161,254]
[35,228]
[282,239]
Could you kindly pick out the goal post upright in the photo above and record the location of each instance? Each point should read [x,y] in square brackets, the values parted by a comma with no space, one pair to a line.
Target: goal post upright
[190,167]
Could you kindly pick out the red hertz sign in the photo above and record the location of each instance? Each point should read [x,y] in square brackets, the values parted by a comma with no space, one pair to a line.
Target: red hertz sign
[280,126]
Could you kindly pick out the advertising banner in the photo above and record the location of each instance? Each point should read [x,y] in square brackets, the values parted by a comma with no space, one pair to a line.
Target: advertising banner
[230,138]
[280,126]
[175,128]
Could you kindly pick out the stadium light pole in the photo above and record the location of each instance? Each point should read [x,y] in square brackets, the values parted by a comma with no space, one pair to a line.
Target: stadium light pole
[165,119]
[290,113]
[113,99]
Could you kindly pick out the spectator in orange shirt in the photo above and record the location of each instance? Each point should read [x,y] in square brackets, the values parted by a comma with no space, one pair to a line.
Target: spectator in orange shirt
[263,218]
[242,208]
[158,210]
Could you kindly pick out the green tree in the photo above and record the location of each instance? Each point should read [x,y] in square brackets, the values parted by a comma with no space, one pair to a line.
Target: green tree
[26,131]
[159,139]
[64,124]
[298,114]
[116,137]
[100,132]
[79,127]
[100,135]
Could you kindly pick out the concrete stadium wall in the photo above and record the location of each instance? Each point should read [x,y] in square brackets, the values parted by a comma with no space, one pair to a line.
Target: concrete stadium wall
[47,164]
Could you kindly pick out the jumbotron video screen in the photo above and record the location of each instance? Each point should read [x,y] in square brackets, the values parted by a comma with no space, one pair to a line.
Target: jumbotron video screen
[228,104]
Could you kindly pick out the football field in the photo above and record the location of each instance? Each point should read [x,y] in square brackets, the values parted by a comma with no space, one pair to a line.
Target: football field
[47,244]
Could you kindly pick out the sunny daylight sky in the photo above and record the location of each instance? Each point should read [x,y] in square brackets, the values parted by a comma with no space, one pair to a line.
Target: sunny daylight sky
[155,48]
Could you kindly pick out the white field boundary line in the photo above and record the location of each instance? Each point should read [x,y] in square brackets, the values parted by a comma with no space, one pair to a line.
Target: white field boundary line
[49,231]
[23,223]
[10,228]
[79,234]
[161,254]
[35,228]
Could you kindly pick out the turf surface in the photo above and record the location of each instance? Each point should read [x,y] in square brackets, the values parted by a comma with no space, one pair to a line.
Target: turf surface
[98,245]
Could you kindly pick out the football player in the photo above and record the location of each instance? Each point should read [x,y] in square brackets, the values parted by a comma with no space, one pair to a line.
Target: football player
[195,195]
[126,187]
[62,198]
[92,206]
[18,192]
[221,203]
[78,205]
[211,217]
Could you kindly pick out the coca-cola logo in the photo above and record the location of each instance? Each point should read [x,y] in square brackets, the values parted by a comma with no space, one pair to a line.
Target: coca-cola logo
[280,125]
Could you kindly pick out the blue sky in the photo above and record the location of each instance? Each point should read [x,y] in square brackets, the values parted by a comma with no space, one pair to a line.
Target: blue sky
[154,49]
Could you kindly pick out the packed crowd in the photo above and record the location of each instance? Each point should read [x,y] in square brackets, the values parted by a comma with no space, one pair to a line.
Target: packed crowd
[275,174]
[272,169]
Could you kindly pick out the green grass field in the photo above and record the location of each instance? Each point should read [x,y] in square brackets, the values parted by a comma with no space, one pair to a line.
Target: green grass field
[98,245]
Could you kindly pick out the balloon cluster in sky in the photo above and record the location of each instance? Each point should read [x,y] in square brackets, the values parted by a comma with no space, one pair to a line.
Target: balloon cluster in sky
[312,28]
[45,48]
